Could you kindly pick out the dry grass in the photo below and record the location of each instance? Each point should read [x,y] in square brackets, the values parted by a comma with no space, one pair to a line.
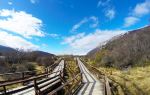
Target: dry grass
[1,78]
[72,70]
[38,68]
[135,81]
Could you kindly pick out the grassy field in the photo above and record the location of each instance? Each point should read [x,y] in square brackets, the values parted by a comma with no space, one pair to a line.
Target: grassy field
[135,81]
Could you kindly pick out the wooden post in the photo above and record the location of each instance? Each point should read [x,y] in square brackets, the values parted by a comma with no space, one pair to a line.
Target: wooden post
[23,76]
[5,92]
[107,86]
[46,72]
[36,88]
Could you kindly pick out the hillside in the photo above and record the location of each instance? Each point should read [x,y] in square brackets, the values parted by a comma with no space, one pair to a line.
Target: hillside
[4,49]
[130,49]
[19,60]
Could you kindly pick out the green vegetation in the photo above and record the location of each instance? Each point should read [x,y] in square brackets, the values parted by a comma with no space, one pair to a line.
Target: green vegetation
[128,50]
[134,81]
[126,60]
[72,70]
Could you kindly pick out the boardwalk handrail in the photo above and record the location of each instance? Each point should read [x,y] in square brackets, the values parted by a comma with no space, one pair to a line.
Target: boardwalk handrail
[107,81]
[33,79]
[69,90]
[39,81]
[47,70]
[107,87]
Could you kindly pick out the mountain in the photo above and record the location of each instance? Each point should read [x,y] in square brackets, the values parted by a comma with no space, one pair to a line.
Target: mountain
[41,54]
[93,52]
[4,49]
[130,49]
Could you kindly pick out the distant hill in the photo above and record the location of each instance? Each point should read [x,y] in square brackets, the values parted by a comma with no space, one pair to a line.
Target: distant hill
[93,52]
[130,49]
[4,49]
[41,53]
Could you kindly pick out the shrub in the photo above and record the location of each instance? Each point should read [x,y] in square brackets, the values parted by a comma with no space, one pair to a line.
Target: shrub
[30,67]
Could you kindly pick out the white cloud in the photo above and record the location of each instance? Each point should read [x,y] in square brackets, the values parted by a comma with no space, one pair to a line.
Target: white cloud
[107,8]
[130,21]
[21,23]
[76,26]
[110,13]
[53,35]
[44,45]
[142,8]
[94,23]
[81,43]
[102,3]
[10,3]
[33,1]
[69,40]
[10,40]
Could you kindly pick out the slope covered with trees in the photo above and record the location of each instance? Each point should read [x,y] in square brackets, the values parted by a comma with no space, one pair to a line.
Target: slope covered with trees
[13,60]
[130,49]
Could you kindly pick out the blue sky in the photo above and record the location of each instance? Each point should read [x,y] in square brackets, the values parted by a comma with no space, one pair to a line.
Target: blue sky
[68,26]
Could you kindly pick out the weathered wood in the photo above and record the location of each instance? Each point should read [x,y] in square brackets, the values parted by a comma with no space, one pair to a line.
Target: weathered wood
[35,81]
[4,87]
[64,85]
[107,87]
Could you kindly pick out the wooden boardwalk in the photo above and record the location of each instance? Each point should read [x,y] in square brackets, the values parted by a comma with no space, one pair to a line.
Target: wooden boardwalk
[87,83]
[92,86]
[31,91]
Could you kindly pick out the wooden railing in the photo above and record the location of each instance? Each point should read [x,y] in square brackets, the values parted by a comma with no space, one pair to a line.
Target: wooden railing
[69,91]
[110,85]
[71,87]
[38,81]
[100,75]
[27,74]
[35,82]
[44,83]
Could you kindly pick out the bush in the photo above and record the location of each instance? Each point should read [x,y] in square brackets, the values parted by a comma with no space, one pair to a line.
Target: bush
[30,67]
[13,69]
[45,61]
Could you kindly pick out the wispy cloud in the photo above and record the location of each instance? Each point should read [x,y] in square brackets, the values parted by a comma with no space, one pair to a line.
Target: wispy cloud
[78,25]
[103,3]
[81,43]
[69,40]
[108,8]
[92,24]
[33,1]
[10,3]
[110,13]
[95,21]
[53,35]
[141,9]
[130,21]
[21,23]
[13,41]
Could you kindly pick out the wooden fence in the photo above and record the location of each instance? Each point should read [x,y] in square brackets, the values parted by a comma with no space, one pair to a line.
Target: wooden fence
[108,83]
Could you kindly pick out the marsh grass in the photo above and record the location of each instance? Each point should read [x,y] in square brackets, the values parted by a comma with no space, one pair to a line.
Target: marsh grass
[72,70]
[135,81]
